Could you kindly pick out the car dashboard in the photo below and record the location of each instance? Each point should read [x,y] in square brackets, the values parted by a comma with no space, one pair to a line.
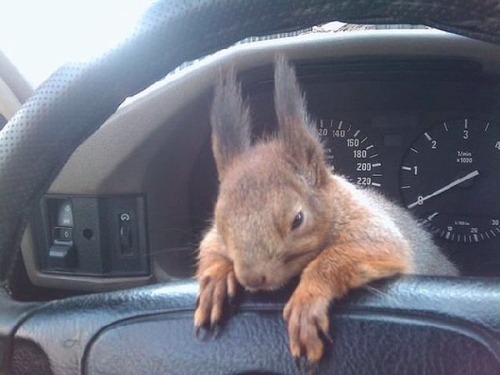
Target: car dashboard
[412,114]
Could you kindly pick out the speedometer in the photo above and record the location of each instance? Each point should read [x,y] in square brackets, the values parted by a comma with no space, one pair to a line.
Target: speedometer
[350,152]
[450,178]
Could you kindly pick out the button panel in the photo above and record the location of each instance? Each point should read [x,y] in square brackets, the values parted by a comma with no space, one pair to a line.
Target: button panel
[92,236]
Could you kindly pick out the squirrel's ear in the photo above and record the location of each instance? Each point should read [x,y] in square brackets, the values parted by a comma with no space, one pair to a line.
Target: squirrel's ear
[230,118]
[295,127]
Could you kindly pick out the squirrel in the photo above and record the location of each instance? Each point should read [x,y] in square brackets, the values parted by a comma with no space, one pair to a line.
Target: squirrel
[281,212]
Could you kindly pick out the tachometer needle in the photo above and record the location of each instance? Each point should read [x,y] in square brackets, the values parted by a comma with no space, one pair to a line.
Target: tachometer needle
[445,188]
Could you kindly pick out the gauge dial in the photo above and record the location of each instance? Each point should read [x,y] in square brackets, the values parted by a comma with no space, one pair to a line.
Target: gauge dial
[450,177]
[350,152]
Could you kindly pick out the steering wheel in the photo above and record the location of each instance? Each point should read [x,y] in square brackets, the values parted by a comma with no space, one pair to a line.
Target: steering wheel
[450,326]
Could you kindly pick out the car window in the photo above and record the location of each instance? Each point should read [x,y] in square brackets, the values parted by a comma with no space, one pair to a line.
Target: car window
[40,36]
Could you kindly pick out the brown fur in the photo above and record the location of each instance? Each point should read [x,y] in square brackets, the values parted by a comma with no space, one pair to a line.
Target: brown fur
[346,239]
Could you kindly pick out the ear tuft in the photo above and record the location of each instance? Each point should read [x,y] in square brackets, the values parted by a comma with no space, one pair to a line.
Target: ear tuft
[295,128]
[230,118]
[291,109]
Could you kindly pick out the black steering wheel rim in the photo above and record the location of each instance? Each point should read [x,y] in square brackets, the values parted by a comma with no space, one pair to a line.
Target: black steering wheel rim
[78,98]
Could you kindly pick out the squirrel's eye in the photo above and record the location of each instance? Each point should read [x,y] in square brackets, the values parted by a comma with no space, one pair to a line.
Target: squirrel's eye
[297,222]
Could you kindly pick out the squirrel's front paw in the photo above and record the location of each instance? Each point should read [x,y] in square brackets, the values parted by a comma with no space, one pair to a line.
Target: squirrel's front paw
[216,284]
[307,318]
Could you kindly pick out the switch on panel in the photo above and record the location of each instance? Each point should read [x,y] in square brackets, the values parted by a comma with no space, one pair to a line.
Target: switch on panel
[63,234]
[62,256]
[62,253]
[64,213]
[125,234]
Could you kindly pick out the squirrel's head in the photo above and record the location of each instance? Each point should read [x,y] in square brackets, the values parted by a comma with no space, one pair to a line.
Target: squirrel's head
[272,211]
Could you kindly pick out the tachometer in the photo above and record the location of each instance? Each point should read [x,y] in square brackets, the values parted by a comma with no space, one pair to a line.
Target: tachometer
[350,152]
[450,178]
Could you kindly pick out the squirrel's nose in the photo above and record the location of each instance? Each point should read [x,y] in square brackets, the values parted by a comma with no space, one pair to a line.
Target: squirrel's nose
[253,280]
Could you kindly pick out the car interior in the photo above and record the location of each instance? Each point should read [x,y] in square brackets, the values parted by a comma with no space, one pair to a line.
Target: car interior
[108,183]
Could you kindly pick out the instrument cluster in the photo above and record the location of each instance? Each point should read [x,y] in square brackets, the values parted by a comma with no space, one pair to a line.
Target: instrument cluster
[449,176]
[425,134]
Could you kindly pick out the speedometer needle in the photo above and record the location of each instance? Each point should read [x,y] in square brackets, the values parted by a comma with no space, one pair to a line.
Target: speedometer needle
[445,188]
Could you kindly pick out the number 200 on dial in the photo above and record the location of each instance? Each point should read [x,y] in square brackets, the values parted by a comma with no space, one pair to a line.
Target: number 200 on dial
[350,152]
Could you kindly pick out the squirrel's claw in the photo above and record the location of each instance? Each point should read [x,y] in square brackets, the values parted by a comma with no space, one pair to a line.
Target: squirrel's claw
[216,292]
[214,331]
[197,330]
[308,326]
[304,367]
[232,303]
[203,333]
[325,335]
[300,365]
